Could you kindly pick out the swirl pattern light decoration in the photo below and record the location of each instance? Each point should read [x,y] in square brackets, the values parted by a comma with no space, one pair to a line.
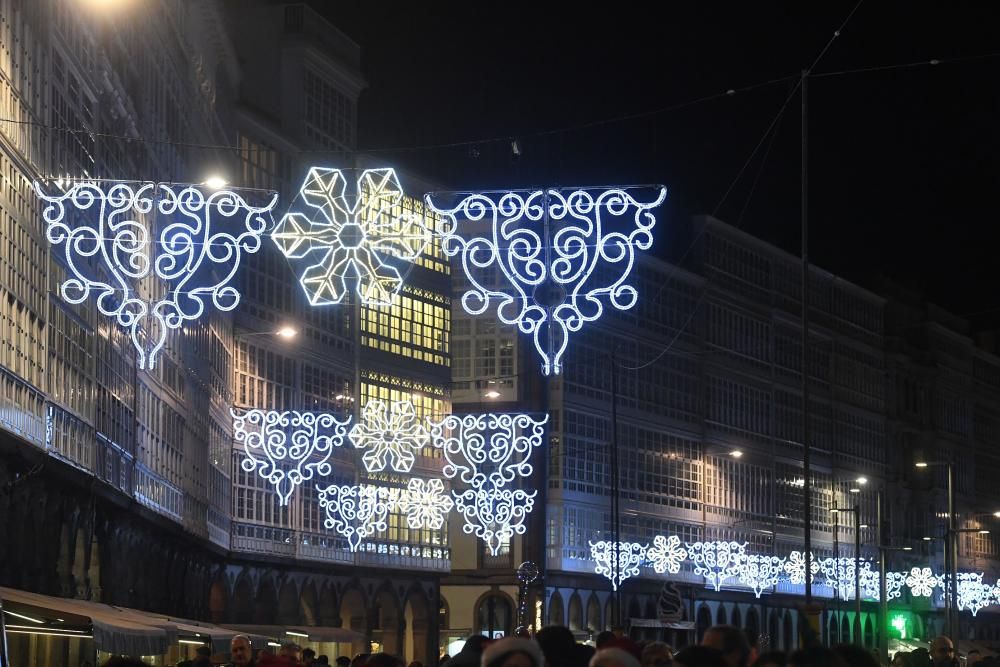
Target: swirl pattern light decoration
[795,568]
[287,448]
[424,503]
[363,239]
[630,556]
[391,435]
[761,572]
[972,593]
[894,582]
[717,561]
[666,554]
[562,255]
[490,453]
[921,582]
[839,574]
[356,511]
[118,239]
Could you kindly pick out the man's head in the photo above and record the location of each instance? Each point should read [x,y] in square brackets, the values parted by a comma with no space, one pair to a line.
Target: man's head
[613,657]
[240,651]
[942,651]
[656,654]
[290,650]
[730,642]
[308,656]
[343,661]
[602,638]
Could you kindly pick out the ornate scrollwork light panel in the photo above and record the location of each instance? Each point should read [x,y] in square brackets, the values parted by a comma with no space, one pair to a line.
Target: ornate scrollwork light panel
[972,593]
[338,239]
[118,238]
[490,453]
[795,567]
[288,448]
[391,435]
[561,256]
[356,511]
[717,561]
[630,556]
[760,572]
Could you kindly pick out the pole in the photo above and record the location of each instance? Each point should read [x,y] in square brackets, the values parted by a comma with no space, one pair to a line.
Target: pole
[952,547]
[857,576]
[807,488]
[883,603]
[615,509]
[4,658]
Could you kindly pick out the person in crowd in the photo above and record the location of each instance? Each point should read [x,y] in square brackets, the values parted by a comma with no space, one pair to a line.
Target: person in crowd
[290,650]
[416,663]
[816,656]
[471,653]
[613,657]
[124,661]
[603,638]
[384,660]
[656,654]
[582,653]
[203,657]
[943,652]
[855,656]
[513,652]
[899,660]
[730,642]
[241,652]
[343,661]
[360,659]
[557,644]
[772,659]
[699,656]
[308,657]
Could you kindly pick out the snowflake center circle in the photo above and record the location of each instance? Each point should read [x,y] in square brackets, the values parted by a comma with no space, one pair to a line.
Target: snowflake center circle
[351,235]
[388,436]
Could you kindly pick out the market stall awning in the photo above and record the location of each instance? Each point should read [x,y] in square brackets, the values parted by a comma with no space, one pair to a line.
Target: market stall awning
[283,633]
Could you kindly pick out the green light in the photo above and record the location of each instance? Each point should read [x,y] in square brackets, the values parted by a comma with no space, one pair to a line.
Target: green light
[899,622]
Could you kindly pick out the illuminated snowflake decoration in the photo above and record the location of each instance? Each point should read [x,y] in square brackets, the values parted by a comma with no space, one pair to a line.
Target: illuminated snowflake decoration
[717,561]
[356,512]
[391,436]
[558,253]
[287,448]
[972,593]
[489,453]
[362,239]
[761,572]
[123,243]
[795,567]
[425,504]
[630,556]
[894,582]
[921,582]
[666,554]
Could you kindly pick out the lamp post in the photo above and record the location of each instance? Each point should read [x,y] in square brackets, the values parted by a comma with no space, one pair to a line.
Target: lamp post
[856,510]
[883,600]
[951,549]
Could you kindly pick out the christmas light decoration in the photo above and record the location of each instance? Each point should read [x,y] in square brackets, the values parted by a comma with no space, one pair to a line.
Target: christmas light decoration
[795,568]
[666,554]
[558,256]
[339,242]
[118,238]
[839,575]
[287,448]
[894,582]
[717,561]
[425,504]
[391,436]
[356,512]
[760,572]
[630,556]
[489,452]
[921,582]
[972,593]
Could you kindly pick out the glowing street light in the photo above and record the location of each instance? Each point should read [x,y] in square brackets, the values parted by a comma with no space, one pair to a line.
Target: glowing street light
[736,453]
[492,393]
[286,332]
[215,182]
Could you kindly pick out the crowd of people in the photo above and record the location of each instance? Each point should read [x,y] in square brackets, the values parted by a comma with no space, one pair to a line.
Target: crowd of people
[555,646]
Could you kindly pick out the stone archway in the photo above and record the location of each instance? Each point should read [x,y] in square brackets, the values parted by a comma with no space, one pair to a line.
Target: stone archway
[387,621]
[611,613]
[736,618]
[753,625]
[720,615]
[845,630]
[329,613]
[556,609]
[308,609]
[594,614]
[243,600]
[575,613]
[288,603]
[703,621]
[788,630]
[417,630]
[265,606]
[354,616]
[218,601]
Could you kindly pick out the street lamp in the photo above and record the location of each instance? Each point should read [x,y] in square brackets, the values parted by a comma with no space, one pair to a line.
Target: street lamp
[951,548]
[857,566]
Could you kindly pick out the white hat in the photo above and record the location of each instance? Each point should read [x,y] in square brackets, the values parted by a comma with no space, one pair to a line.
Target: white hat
[613,657]
[502,647]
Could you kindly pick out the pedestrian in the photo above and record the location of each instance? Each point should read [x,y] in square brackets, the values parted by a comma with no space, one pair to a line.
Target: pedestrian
[657,654]
[343,661]
[203,657]
[730,642]
[513,652]
[614,657]
[241,651]
[943,652]
[471,654]
[855,656]
[308,657]
[816,657]
[603,638]
[699,656]
[557,642]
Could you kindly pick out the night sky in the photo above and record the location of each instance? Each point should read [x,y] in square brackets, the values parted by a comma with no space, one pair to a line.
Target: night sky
[904,162]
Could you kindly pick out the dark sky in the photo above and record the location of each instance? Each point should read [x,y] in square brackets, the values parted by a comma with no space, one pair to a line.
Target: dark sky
[904,164]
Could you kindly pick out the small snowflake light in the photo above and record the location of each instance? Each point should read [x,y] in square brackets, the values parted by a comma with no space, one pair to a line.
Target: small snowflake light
[358,239]
[356,512]
[666,554]
[630,556]
[761,572]
[390,436]
[795,568]
[921,582]
[494,515]
[425,504]
[287,448]
[125,242]
[717,561]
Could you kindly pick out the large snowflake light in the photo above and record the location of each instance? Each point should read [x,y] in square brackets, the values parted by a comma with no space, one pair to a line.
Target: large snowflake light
[361,239]
[666,554]
[287,448]
[921,582]
[489,453]
[630,557]
[356,512]
[561,255]
[717,561]
[425,504]
[761,572]
[391,436]
[795,568]
[124,242]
